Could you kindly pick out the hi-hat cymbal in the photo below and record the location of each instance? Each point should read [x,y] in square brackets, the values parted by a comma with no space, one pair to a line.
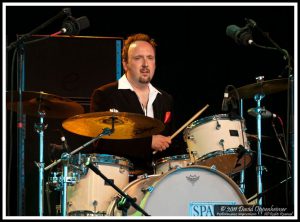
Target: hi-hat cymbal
[126,125]
[254,137]
[266,87]
[54,106]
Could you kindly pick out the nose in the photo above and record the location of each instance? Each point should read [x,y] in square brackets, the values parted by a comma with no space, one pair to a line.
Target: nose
[145,63]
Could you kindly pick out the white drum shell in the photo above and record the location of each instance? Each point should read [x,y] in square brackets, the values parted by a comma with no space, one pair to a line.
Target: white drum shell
[91,194]
[173,162]
[215,141]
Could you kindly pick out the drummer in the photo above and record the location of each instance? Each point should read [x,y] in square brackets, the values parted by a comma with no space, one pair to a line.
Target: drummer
[133,93]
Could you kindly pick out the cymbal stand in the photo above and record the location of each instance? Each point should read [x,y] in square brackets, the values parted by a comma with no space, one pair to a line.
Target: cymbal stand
[65,161]
[258,97]
[40,127]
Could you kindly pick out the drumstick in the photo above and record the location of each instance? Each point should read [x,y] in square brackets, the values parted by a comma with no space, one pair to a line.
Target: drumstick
[187,123]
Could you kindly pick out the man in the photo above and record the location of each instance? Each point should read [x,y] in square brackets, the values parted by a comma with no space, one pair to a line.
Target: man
[133,93]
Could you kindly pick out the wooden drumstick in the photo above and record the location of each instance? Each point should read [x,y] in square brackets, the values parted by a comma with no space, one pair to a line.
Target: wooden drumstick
[187,123]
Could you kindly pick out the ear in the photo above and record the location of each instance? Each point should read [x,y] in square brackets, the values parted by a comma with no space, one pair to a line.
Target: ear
[124,65]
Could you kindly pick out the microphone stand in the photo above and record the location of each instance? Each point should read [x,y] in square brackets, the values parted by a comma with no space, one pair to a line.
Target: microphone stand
[128,199]
[267,190]
[23,38]
[290,94]
[258,97]
[19,45]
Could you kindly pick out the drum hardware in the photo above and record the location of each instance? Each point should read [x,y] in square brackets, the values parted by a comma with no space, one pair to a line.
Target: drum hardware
[258,91]
[128,199]
[123,126]
[65,159]
[40,104]
[258,196]
[279,138]
[187,123]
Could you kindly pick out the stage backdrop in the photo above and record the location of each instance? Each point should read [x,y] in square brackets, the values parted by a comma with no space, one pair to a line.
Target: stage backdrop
[69,67]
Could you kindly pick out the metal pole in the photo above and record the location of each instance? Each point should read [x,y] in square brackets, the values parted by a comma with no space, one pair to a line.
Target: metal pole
[40,127]
[64,180]
[242,173]
[259,169]
[21,126]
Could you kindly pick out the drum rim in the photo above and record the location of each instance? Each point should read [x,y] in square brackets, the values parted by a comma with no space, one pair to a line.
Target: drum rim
[97,158]
[223,175]
[171,158]
[225,152]
[207,119]
[159,178]
[85,212]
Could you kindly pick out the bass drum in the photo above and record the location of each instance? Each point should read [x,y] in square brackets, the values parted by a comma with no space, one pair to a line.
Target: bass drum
[181,192]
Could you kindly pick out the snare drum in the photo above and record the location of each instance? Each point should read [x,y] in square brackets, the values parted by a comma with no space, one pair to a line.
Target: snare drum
[166,164]
[188,191]
[220,142]
[91,195]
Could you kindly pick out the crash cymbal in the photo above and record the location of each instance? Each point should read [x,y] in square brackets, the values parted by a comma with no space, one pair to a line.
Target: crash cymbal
[266,87]
[254,137]
[54,106]
[126,125]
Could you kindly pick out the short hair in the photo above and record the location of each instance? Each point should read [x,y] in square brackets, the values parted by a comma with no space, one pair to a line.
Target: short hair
[133,38]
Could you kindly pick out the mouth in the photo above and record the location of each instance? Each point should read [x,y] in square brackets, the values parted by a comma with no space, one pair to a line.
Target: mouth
[146,71]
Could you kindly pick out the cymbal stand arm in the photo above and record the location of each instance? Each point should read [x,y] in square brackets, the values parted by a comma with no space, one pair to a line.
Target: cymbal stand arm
[106,131]
[258,97]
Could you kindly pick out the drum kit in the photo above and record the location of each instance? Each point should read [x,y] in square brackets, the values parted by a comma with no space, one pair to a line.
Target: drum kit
[192,184]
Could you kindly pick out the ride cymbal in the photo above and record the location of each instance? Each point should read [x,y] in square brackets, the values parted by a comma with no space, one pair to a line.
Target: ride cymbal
[54,106]
[126,125]
[266,87]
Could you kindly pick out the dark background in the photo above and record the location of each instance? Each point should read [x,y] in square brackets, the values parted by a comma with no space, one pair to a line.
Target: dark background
[195,61]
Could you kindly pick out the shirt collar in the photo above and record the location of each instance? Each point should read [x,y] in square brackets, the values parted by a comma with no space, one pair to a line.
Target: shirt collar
[124,84]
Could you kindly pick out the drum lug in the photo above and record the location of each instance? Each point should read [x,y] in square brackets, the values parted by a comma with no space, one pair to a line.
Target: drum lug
[143,176]
[221,142]
[148,189]
[213,167]
[190,137]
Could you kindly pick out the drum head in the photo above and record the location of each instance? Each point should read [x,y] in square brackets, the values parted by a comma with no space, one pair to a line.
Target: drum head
[189,191]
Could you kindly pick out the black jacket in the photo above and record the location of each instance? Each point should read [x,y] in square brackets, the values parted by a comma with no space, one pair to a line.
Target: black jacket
[138,151]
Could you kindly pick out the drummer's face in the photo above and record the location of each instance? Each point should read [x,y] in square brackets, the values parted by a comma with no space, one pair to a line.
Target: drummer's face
[140,66]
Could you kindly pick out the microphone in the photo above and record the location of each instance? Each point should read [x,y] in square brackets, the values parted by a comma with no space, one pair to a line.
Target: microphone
[242,36]
[265,114]
[225,100]
[72,26]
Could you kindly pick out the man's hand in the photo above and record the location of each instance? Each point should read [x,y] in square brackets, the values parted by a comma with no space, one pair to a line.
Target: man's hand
[160,142]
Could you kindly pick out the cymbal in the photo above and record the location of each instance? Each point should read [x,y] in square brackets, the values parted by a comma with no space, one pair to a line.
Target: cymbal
[254,137]
[54,106]
[266,87]
[126,125]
